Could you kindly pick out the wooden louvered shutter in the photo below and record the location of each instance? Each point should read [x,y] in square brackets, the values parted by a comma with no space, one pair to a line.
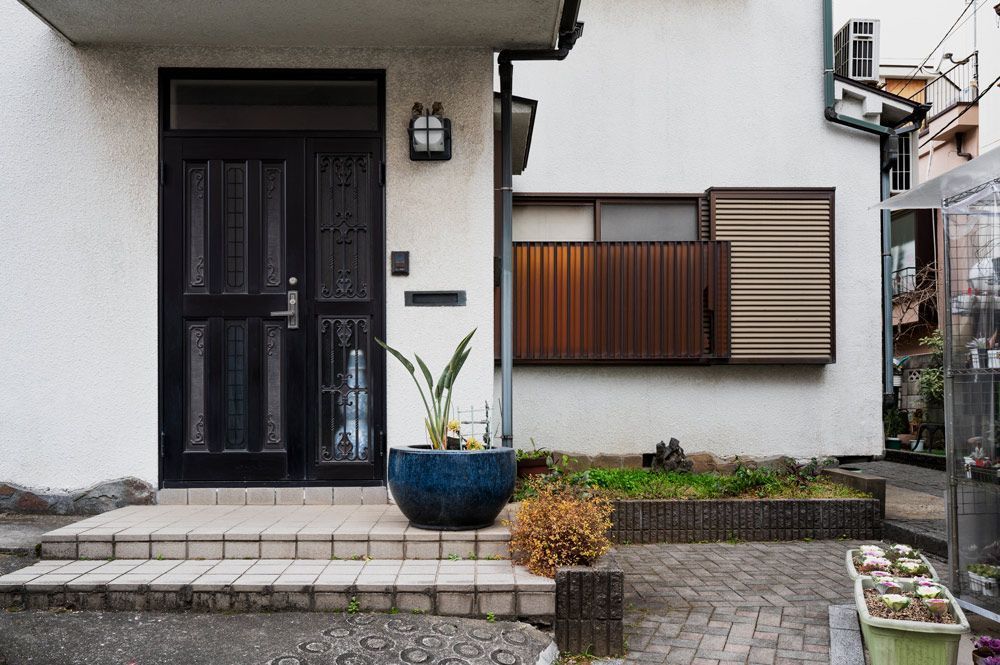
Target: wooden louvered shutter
[782,272]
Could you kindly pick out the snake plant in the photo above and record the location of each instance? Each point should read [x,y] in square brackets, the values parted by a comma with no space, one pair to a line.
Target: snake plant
[437,399]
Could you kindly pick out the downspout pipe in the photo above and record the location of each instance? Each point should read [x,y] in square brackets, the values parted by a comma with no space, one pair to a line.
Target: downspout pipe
[570,31]
[887,139]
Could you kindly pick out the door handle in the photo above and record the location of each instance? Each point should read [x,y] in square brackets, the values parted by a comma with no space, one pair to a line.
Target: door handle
[292,313]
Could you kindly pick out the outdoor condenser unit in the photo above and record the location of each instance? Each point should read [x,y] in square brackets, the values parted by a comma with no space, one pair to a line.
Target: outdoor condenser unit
[855,50]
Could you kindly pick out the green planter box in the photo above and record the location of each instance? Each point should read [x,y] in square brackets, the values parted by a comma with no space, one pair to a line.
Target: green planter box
[894,642]
[853,572]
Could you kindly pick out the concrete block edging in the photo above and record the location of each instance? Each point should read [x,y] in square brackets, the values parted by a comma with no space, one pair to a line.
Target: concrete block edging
[709,520]
[590,610]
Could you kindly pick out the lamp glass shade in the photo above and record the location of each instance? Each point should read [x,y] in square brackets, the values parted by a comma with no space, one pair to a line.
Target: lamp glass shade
[428,134]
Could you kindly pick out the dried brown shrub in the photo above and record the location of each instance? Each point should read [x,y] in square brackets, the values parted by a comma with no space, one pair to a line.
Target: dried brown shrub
[560,526]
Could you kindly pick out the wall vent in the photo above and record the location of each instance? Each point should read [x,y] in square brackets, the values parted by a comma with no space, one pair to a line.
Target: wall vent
[856,48]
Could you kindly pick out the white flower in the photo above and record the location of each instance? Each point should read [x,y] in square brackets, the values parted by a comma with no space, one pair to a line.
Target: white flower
[910,566]
[927,590]
[872,550]
[895,601]
[903,549]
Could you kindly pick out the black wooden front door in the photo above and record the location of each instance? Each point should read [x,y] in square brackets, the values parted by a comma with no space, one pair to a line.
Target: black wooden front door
[253,228]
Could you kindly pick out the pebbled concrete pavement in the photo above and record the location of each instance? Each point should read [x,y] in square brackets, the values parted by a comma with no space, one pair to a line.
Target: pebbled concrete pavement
[126,638]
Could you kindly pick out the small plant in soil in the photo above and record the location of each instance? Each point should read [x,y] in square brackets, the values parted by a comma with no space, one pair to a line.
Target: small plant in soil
[901,560]
[925,602]
[534,453]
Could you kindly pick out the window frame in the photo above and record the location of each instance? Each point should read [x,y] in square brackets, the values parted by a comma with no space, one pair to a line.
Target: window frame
[596,200]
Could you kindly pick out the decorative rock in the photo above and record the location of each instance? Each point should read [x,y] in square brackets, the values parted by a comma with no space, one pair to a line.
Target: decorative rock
[671,457]
[90,501]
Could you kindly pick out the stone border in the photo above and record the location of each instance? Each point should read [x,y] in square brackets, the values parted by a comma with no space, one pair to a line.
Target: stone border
[590,610]
[92,500]
[692,521]
[872,485]
[925,460]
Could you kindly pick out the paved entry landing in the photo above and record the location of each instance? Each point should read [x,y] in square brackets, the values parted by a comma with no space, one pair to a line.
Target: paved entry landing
[267,532]
[449,588]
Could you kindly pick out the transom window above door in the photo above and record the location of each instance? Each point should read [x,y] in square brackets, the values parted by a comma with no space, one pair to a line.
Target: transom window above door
[577,217]
[199,100]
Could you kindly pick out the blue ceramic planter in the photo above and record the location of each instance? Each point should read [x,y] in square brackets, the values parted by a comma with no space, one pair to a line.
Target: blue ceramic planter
[451,490]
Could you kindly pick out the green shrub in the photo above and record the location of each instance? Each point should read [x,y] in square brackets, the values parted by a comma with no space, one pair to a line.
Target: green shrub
[931,384]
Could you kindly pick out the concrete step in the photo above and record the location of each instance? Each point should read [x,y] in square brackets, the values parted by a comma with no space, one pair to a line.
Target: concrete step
[449,588]
[267,532]
[270,496]
[929,536]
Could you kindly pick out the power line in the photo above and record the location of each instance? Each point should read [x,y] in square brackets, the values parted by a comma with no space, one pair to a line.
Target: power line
[934,50]
[944,74]
[964,111]
[967,18]
[937,78]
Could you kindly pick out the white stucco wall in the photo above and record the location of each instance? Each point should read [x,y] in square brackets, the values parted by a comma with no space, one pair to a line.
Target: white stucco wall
[677,97]
[78,240]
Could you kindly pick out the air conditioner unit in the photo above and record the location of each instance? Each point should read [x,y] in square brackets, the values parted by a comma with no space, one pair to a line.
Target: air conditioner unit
[855,50]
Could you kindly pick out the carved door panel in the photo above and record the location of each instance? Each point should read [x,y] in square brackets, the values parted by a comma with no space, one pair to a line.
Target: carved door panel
[346,310]
[233,228]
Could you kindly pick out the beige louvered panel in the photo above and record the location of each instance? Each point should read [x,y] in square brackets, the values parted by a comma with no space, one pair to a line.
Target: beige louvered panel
[782,272]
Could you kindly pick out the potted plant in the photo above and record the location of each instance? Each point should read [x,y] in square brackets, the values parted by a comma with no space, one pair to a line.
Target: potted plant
[438,488]
[931,383]
[977,353]
[532,462]
[896,560]
[893,423]
[985,647]
[907,622]
[983,579]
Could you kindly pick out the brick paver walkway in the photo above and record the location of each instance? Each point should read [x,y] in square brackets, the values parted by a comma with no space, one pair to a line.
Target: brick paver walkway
[711,604]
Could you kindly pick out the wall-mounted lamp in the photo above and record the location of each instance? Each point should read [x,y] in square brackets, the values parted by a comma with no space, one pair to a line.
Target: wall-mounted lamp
[430,133]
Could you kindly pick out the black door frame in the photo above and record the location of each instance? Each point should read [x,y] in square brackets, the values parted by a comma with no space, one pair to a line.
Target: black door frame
[165,75]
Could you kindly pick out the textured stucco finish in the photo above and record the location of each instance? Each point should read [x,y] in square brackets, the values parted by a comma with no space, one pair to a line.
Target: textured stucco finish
[78,240]
[685,101]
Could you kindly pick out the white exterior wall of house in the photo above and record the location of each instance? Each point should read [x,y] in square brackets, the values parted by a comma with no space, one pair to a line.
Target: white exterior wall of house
[78,240]
[661,97]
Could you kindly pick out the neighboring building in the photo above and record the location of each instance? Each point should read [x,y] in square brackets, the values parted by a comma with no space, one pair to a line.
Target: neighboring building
[696,254]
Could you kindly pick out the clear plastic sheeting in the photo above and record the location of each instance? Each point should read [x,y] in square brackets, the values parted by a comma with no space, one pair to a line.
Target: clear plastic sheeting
[971,291]
[957,182]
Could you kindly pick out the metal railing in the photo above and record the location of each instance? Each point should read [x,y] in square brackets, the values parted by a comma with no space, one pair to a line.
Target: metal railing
[957,84]
[904,280]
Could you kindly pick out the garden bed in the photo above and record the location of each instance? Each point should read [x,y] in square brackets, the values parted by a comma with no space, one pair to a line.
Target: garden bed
[790,502]
[744,483]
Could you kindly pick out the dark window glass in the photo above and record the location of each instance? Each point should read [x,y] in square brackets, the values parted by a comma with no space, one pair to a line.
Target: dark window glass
[633,222]
[217,104]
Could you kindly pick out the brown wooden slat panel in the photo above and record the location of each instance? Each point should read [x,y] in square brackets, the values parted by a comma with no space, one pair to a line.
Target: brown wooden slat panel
[782,272]
[620,301]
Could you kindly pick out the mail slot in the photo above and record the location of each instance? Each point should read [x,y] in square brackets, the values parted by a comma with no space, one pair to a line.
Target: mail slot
[435,298]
